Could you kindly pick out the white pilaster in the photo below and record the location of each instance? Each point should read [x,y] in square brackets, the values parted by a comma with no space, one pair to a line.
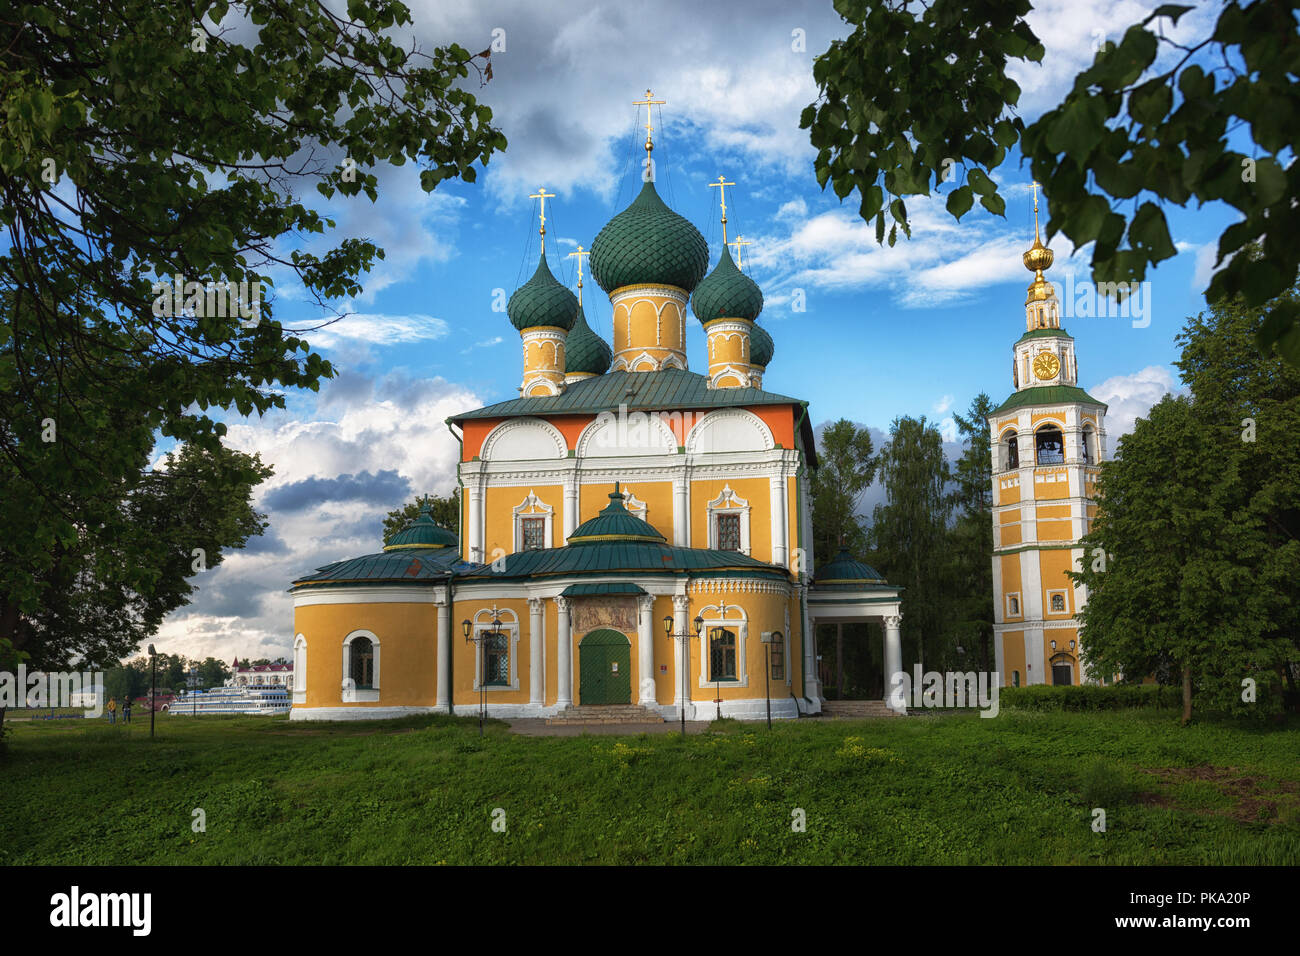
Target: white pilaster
[570,506]
[780,519]
[681,624]
[443,700]
[681,520]
[536,641]
[475,523]
[563,656]
[645,650]
[893,653]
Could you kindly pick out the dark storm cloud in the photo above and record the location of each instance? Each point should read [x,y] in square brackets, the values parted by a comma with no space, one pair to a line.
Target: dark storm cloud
[380,488]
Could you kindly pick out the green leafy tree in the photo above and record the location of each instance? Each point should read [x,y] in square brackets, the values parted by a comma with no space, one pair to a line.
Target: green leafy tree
[970,538]
[212,672]
[1192,561]
[909,532]
[919,98]
[445,511]
[846,466]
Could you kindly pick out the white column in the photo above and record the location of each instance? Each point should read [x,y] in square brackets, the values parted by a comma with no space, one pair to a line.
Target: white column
[811,673]
[443,701]
[779,519]
[570,507]
[536,641]
[475,523]
[681,625]
[645,650]
[563,656]
[681,515]
[893,653]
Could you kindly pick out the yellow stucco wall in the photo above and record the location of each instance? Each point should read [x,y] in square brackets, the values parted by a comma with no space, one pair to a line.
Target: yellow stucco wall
[407,635]
[1013,657]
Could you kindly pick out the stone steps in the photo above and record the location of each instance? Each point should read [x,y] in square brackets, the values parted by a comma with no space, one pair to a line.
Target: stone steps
[606,714]
[856,709]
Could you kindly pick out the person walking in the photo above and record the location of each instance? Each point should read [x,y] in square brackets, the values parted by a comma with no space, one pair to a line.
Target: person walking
[126,711]
[112,710]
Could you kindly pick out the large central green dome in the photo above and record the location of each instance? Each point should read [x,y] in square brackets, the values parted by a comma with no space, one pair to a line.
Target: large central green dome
[649,244]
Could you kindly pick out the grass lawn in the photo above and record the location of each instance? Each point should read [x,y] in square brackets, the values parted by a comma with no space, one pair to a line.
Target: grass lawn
[929,789]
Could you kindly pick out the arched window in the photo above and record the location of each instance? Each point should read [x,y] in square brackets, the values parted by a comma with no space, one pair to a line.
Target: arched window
[362,670]
[496,658]
[1012,445]
[722,654]
[777,649]
[1015,678]
[1049,446]
[1058,602]
[1089,438]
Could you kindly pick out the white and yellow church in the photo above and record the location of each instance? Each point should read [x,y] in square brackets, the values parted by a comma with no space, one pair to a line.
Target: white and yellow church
[1048,440]
[634,535]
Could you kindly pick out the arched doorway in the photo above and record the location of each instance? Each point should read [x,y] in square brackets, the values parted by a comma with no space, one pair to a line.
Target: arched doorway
[605,668]
[1062,669]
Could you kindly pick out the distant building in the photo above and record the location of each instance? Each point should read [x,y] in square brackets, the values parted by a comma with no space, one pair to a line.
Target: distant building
[260,675]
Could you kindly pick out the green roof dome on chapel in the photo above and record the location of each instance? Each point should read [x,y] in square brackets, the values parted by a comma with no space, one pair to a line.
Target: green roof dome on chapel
[727,293]
[846,570]
[542,301]
[423,532]
[614,523]
[649,244]
[585,352]
[761,347]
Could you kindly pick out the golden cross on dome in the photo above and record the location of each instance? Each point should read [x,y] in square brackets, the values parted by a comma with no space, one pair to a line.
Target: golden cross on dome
[738,242]
[648,102]
[1035,187]
[722,185]
[579,254]
[543,195]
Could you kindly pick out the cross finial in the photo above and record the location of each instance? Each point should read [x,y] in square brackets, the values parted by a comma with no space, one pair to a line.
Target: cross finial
[648,102]
[543,195]
[738,242]
[722,185]
[579,254]
[1035,187]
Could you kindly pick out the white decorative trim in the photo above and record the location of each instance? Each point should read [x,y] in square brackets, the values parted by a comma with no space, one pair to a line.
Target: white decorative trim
[510,624]
[1020,607]
[715,616]
[719,418]
[513,424]
[350,693]
[372,594]
[521,511]
[738,371]
[300,669]
[729,503]
[1065,596]
[363,713]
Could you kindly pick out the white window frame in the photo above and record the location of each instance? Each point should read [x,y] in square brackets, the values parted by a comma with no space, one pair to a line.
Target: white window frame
[729,503]
[510,625]
[300,669]
[740,624]
[1020,607]
[1065,596]
[352,694]
[524,510]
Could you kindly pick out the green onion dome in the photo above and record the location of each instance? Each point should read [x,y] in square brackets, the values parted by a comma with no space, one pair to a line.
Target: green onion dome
[542,301]
[585,352]
[761,347]
[846,570]
[615,523]
[423,532]
[649,244]
[727,293]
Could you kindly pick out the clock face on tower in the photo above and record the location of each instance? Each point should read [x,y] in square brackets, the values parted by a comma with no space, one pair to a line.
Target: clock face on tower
[1047,365]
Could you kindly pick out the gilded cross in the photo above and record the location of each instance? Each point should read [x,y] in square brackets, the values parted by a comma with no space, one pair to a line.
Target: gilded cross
[740,241]
[722,185]
[648,102]
[1035,187]
[543,195]
[579,254]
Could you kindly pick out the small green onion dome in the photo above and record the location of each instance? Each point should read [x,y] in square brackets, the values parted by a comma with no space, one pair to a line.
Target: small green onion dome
[423,532]
[615,523]
[585,352]
[542,301]
[761,347]
[847,570]
[649,244]
[727,293]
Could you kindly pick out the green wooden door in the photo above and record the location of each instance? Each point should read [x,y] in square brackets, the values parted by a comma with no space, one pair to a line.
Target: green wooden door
[605,668]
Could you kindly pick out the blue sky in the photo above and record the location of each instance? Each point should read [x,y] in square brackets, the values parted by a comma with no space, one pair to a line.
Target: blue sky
[918,329]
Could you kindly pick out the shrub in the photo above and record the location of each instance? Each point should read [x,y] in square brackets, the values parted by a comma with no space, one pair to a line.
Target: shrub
[1089,697]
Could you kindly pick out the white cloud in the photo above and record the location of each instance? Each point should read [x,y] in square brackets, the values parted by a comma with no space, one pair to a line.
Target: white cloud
[1130,397]
[943,404]
[376,329]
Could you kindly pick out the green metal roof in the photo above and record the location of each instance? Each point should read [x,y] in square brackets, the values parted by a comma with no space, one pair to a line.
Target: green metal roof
[597,590]
[1047,395]
[411,566]
[423,532]
[585,351]
[542,301]
[761,346]
[846,571]
[613,523]
[1044,334]
[727,293]
[638,557]
[648,243]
